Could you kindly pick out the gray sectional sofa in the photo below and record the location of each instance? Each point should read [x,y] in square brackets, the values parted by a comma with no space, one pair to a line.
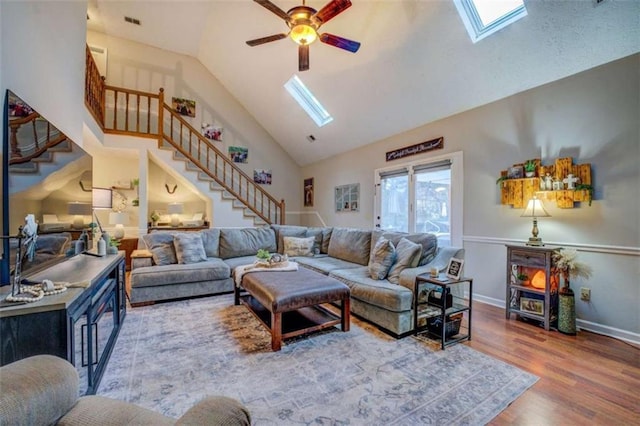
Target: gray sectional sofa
[342,253]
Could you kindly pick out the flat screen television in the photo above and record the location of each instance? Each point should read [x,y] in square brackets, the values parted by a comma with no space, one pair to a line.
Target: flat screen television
[46,174]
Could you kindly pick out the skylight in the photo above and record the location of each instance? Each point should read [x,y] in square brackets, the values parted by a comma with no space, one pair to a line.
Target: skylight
[307,101]
[484,17]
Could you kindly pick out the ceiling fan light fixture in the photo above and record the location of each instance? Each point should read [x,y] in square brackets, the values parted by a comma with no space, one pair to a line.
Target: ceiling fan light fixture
[303,34]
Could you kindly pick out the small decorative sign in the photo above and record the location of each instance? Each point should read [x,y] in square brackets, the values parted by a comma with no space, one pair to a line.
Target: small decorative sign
[416,149]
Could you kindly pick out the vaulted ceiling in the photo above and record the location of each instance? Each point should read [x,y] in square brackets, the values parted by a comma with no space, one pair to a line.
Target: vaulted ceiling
[416,64]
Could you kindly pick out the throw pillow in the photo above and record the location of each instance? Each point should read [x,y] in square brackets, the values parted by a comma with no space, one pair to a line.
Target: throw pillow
[189,247]
[160,244]
[382,257]
[298,246]
[408,255]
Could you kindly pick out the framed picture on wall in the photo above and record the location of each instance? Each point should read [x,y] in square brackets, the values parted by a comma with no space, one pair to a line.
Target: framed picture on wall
[347,197]
[239,154]
[308,192]
[184,106]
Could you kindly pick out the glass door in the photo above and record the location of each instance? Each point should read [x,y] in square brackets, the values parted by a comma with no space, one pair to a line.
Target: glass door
[393,204]
[432,200]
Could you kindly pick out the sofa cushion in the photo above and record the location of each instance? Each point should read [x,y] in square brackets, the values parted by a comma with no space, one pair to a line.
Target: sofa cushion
[287,231]
[326,239]
[236,242]
[407,256]
[211,241]
[298,246]
[379,293]
[325,264]
[210,270]
[383,255]
[234,262]
[53,243]
[317,234]
[189,248]
[352,245]
[429,243]
[160,244]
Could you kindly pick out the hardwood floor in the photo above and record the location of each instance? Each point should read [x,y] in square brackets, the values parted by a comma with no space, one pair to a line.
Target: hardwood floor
[584,379]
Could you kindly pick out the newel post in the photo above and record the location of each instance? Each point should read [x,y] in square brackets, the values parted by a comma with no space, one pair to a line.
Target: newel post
[282,212]
[160,115]
[103,101]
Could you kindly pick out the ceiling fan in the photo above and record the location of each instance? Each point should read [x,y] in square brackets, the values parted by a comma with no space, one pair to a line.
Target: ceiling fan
[304,22]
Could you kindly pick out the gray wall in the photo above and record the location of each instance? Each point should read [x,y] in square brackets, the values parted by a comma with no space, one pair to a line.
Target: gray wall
[592,117]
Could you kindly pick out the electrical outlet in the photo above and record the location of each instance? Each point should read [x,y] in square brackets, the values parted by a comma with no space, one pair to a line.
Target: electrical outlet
[585,294]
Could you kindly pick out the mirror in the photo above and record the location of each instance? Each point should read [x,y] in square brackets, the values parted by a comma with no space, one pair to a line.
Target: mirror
[47,175]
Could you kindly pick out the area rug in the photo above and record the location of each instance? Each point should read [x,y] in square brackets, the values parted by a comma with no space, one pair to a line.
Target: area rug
[168,356]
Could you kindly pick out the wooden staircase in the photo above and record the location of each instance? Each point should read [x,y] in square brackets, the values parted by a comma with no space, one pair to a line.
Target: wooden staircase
[135,113]
[33,140]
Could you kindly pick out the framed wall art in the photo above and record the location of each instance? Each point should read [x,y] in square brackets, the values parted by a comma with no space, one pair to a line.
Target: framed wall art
[238,154]
[347,198]
[184,106]
[308,192]
[262,176]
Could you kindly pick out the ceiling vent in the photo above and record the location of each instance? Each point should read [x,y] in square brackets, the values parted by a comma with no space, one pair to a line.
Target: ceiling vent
[132,20]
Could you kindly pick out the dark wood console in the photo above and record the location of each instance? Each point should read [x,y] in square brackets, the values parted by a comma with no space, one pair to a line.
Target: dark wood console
[80,325]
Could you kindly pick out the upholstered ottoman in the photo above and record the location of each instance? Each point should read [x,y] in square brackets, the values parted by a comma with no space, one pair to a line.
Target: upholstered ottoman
[288,302]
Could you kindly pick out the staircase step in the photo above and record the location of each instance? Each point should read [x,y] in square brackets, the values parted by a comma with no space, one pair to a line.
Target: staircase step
[190,166]
[215,186]
[205,177]
[258,221]
[228,196]
[24,168]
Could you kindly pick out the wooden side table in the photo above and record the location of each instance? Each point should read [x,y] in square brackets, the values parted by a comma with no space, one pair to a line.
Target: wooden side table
[128,245]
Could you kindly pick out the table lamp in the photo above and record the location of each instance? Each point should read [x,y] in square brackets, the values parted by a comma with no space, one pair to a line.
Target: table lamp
[118,219]
[535,209]
[174,210]
[78,210]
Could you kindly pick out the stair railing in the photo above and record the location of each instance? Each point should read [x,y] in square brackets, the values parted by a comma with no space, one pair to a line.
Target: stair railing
[135,113]
[31,144]
[211,161]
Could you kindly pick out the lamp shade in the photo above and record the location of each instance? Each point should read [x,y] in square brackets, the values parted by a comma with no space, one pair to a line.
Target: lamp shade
[175,208]
[118,218]
[535,208]
[102,198]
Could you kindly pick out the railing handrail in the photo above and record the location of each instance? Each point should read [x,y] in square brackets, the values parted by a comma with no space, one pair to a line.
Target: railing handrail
[49,144]
[214,176]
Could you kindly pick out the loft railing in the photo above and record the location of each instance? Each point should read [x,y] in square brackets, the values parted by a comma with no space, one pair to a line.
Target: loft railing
[135,113]
[30,137]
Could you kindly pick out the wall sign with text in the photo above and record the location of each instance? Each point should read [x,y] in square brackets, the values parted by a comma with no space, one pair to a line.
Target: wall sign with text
[416,149]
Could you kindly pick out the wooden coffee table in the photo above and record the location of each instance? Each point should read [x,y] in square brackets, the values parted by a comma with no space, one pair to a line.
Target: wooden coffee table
[288,303]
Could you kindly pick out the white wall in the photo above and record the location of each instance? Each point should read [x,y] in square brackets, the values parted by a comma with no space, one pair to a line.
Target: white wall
[592,117]
[43,55]
[137,66]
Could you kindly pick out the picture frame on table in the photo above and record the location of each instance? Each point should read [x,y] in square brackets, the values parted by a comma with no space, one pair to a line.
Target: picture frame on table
[532,306]
[454,268]
[515,172]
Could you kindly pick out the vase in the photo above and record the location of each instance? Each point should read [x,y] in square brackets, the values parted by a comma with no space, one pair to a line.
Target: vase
[567,310]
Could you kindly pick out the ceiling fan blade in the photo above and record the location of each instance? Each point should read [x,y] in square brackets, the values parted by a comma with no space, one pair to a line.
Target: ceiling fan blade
[342,43]
[273,8]
[331,9]
[303,57]
[267,39]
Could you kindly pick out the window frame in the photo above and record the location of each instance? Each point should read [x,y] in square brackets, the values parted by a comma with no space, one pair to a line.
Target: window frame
[457,192]
[476,29]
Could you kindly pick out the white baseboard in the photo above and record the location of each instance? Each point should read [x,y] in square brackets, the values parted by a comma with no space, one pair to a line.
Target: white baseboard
[605,330]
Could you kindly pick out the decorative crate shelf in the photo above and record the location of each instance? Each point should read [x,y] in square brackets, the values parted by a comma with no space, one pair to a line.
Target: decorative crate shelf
[518,191]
